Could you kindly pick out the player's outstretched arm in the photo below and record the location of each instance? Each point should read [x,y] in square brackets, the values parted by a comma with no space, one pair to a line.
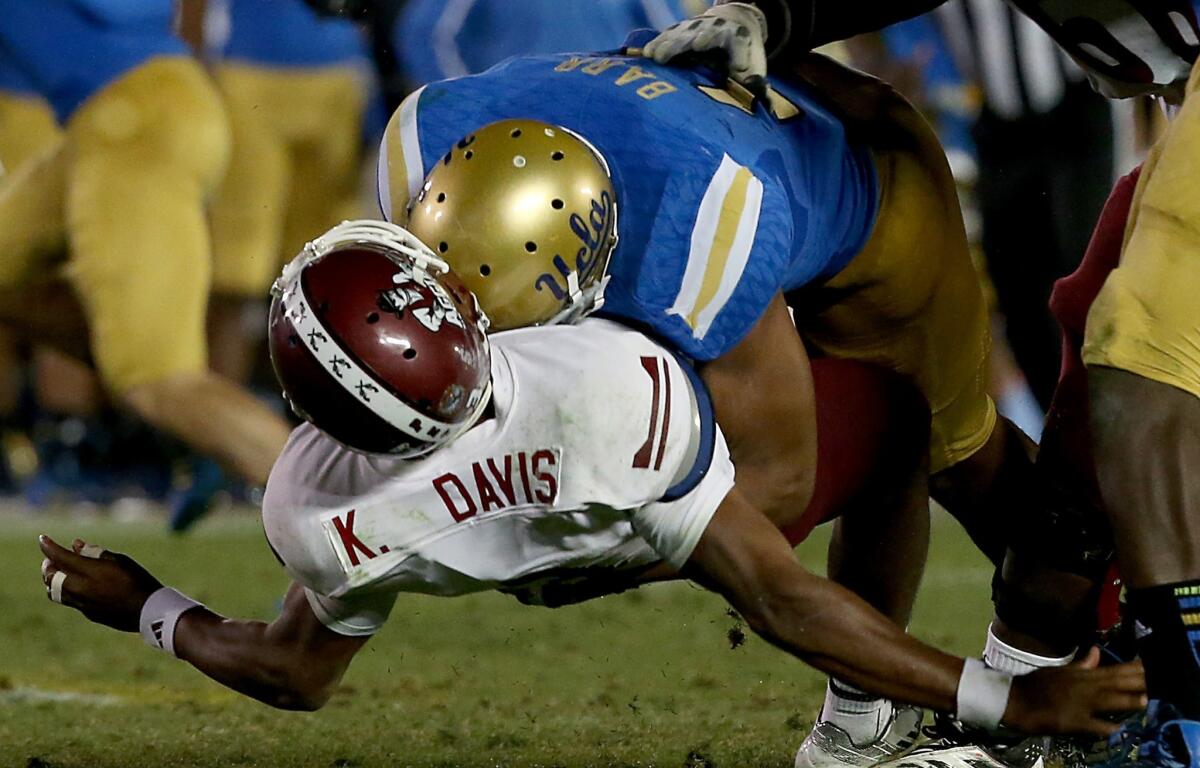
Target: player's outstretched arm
[745,558]
[294,662]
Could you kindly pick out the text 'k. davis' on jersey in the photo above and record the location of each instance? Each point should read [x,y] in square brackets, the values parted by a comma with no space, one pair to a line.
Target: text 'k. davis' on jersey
[603,455]
[720,205]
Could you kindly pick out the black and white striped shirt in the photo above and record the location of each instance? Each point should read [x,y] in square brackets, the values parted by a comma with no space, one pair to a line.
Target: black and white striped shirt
[1019,67]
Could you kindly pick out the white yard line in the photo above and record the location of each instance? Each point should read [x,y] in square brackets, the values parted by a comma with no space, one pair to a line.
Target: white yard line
[39,695]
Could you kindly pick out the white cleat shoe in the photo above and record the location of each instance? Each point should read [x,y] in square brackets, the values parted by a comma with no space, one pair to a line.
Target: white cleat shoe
[828,746]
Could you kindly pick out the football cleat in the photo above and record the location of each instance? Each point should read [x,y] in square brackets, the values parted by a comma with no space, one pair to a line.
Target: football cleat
[1003,747]
[942,755]
[1159,739]
[828,746]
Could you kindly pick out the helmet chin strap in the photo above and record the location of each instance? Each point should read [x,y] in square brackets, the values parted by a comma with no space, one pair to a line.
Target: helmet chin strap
[581,302]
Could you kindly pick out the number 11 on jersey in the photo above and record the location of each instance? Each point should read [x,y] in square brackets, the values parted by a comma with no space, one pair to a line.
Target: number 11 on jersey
[652,450]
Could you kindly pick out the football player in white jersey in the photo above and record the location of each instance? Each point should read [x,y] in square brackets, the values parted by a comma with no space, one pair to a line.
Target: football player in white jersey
[544,454]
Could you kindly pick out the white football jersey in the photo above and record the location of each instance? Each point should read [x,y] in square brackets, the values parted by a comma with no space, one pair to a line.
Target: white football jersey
[602,454]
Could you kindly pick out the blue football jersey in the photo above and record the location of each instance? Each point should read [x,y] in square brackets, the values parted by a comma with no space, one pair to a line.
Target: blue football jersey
[13,79]
[281,33]
[719,207]
[69,49]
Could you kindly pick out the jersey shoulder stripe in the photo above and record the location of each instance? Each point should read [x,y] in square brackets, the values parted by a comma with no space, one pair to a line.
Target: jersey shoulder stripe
[703,427]
[721,240]
[400,172]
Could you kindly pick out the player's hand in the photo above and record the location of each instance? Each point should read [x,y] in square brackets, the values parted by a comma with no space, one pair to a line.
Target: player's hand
[734,34]
[106,587]
[1074,698]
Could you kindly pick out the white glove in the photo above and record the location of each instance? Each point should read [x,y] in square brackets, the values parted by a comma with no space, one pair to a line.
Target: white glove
[739,30]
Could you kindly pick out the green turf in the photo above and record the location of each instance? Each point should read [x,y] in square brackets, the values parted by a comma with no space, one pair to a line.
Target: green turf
[645,678]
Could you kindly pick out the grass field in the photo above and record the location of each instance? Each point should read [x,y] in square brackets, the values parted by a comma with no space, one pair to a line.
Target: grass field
[641,679]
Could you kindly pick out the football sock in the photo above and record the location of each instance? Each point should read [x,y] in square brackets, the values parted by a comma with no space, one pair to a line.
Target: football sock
[1167,628]
[1003,657]
[862,716]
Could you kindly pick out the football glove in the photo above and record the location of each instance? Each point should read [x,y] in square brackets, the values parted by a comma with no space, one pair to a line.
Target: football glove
[732,35]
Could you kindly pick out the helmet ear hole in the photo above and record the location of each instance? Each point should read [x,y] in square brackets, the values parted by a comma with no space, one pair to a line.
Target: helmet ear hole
[485,269]
[557,155]
[441,198]
[443,247]
[516,133]
[373,318]
[557,204]
[531,246]
[409,353]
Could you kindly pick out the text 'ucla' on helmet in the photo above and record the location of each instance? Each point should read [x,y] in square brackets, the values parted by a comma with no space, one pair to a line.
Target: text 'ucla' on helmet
[377,343]
[526,214]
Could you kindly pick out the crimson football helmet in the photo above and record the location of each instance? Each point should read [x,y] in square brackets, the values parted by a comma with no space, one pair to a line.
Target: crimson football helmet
[377,343]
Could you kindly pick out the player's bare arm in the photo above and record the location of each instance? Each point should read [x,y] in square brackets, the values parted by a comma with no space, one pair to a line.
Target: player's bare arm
[743,557]
[776,466]
[293,662]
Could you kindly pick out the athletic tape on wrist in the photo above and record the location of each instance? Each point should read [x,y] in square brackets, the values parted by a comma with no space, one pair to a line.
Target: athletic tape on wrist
[982,695]
[160,614]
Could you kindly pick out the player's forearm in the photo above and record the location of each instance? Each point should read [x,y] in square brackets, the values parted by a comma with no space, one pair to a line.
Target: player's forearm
[795,27]
[835,631]
[244,656]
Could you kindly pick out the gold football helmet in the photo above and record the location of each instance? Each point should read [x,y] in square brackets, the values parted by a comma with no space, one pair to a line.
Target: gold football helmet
[526,214]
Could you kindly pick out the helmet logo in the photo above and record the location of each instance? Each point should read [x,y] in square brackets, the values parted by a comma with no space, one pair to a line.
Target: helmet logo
[594,237]
[423,298]
[593,233]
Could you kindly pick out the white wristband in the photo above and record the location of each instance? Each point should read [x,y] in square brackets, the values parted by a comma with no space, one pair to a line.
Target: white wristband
[982,695]
[160,614]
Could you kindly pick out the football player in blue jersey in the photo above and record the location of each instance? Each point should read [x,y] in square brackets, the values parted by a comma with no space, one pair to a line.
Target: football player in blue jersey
[682,204]
[295,88]
[122,196]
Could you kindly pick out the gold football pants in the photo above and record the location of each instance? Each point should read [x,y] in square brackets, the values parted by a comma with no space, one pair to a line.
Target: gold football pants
[27,128]
[911,300]
[1146,318]
[294,170]
[117,209]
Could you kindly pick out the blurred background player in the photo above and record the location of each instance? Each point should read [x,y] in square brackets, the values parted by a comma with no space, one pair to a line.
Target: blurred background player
[435,39]
[108,231]
[414,42]
[295,87]
[27,128]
